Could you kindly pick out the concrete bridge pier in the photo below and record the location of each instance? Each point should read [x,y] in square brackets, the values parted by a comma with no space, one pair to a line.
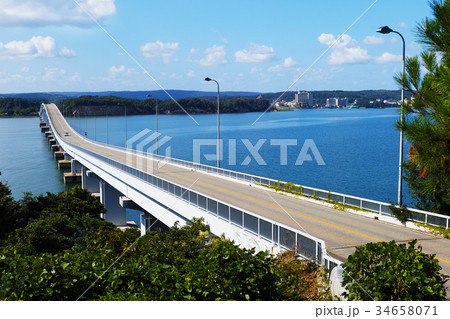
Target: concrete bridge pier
[90,181]
[149,222]
[145,223]
[110,198]
[75,167]
[146,219]
[59,155]
[75,171]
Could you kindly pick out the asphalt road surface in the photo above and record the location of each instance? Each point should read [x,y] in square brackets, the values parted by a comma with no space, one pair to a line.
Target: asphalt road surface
[341,231]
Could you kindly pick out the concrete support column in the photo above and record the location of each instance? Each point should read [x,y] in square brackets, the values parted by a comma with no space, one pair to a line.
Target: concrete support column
[75,166]
[90,181]
[146,219]
[145,223]
[109,197]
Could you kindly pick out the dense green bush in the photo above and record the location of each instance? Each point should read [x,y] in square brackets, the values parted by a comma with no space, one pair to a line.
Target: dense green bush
[57,248]
[393,272]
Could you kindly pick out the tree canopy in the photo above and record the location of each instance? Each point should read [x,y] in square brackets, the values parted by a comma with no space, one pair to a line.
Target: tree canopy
[393,272]
[55,247]
[427,117]
[112,105]
[11,106]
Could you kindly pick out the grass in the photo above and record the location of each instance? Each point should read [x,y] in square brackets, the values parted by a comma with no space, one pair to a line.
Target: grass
[435,230]
[291,188]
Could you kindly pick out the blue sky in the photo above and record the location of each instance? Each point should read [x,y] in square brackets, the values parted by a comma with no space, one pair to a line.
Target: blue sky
[262,46]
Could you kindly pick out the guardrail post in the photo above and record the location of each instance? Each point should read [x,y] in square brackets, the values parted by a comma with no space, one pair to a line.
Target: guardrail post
[259,232]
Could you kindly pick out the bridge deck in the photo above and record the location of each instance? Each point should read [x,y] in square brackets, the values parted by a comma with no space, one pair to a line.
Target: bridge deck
[341,231]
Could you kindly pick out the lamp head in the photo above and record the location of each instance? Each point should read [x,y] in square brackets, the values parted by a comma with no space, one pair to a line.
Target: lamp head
[384,30]
[208,79]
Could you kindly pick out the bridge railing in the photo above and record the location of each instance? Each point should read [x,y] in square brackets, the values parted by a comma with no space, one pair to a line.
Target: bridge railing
[365,204]
[374,206]
[278,235]
[380,208]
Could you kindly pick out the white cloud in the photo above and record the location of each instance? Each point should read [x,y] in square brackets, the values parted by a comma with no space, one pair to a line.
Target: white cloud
[50,12]
[52,74]
[330,39]
[194,51]
[414,46]
[255,70]
[160,49]
[75,77]
[18,79]
[387,57]
[373,39]
[345,50]
[348,56]
[287,64]
[214,55]
[255,54]
[35,48]
[119,77]
[402,25]
[66,52]
[394,40]
[190,73]
[175,76]
[115,72]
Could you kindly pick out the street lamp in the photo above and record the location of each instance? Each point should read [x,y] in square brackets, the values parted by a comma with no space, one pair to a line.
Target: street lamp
[85,122]
[125,106]
[156,124]
[218,120]
[386,30]
[107,138]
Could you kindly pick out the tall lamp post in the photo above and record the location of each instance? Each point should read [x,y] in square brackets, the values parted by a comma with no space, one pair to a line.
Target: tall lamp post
[107,138]
[386,30]
[218,120]
[125,106]
[156,124]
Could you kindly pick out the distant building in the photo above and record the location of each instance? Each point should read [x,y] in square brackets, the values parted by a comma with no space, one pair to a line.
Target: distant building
[304,99]
[337,102]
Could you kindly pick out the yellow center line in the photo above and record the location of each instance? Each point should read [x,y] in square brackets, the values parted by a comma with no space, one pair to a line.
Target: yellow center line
[270,205]
[274,206]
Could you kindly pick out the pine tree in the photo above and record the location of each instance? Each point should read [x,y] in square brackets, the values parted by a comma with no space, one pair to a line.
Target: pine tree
[427,117]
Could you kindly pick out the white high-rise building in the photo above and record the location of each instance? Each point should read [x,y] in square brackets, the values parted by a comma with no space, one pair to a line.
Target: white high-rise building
[304,99]
[337,102]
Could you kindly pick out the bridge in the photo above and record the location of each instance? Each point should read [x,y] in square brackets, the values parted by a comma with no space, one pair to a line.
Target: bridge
[231,203]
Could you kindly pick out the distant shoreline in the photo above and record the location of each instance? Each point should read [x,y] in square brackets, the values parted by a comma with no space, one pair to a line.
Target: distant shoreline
[17,117]
[275,110]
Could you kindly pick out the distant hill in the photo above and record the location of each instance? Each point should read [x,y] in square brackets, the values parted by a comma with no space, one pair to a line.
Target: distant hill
[364,96]
[140,95]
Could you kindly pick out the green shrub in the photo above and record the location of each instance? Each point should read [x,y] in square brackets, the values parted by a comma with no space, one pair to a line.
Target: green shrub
[392,272]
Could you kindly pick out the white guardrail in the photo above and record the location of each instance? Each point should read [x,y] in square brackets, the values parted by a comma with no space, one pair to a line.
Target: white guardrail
[381,208]
[279,235]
